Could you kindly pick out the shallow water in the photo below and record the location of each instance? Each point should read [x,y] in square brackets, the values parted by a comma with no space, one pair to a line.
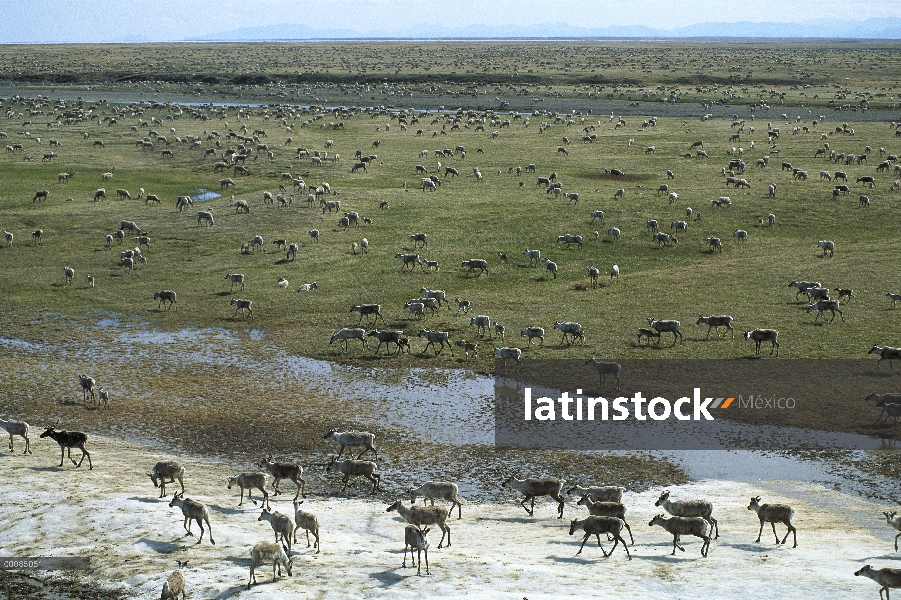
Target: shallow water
[450,407]
[203,194]
[445,406]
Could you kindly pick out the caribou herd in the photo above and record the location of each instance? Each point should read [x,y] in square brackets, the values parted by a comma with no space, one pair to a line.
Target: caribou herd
[606,511]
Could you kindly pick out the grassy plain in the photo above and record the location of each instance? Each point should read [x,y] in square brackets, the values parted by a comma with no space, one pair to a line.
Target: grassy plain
[465,218]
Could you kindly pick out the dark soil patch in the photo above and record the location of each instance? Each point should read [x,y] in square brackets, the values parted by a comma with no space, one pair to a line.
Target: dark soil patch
[25,587]
[601,176]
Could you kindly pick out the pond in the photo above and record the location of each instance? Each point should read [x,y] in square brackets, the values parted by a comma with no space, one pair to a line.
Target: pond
[202,195]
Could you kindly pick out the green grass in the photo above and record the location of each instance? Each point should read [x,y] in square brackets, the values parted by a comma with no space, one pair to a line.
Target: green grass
[464,219]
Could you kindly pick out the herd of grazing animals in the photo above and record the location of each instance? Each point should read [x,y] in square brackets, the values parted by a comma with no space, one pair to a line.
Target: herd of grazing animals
[684,520]
[606,512]
[555,268]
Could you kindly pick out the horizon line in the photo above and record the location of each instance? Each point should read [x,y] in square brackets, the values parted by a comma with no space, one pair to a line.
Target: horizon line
[798,39]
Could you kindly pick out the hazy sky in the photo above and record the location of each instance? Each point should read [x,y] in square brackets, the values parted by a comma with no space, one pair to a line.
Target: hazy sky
[36,21]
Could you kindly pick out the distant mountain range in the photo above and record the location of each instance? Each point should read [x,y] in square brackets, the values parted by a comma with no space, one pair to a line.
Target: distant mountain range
[882,28]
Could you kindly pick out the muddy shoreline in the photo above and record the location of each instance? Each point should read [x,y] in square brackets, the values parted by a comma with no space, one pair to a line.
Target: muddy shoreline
[220,395]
